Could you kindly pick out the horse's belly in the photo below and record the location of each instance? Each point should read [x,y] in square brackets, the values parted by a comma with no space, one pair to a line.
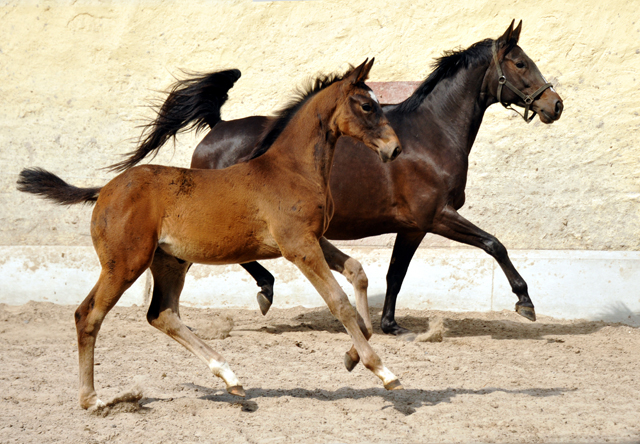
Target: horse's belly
[219,250]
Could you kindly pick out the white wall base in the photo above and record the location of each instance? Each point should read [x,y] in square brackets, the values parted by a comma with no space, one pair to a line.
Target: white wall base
[597,285]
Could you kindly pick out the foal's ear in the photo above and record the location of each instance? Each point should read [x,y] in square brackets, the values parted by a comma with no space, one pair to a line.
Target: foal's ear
[360,73]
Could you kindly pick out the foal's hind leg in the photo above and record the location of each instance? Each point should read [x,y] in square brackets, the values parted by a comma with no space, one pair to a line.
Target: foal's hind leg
[113,281]
[168,279]
[352,270]
[455,227]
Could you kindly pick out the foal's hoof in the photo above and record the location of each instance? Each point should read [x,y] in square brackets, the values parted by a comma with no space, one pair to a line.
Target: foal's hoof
[527,312]
[237,390]
[264,303]
[394,385]
[349,362]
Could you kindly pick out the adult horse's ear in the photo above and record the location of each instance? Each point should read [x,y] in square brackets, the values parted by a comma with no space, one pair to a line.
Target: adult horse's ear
[504,38]
[510,38]
[515,35]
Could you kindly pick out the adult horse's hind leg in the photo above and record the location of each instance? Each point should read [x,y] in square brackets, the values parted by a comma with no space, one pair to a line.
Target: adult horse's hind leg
[352,270]
[265,281]
[455,227]
[168,279]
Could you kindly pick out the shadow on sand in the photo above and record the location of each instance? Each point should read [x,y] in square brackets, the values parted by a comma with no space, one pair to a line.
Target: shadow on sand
[404,401]
[321,319]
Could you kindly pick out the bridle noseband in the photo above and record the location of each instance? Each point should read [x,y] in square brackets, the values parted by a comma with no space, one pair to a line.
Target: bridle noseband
[528,99]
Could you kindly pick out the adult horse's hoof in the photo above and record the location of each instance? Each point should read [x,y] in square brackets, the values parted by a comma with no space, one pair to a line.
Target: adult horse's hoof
[237,390]
[394,329]
[527,312]
[350,362]
[394,385]
[264,303]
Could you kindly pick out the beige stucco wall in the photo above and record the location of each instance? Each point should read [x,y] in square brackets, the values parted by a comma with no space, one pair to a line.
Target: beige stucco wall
[75,76]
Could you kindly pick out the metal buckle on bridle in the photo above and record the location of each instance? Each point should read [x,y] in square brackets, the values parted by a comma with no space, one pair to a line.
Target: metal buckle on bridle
[527,99]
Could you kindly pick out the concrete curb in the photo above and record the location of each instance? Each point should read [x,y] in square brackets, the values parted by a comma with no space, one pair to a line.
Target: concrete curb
[595,285]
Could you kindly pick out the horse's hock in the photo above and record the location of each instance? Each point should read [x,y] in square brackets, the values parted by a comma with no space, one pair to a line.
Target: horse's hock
[563,198]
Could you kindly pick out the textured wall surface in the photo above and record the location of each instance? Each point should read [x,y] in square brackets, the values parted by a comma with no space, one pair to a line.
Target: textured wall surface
[76,76]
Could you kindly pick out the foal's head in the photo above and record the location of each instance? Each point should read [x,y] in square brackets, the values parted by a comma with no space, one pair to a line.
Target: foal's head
[360,116]
[513,68]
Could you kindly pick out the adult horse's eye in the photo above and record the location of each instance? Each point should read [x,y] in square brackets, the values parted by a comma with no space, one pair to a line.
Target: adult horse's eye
[520,64]
[366,107]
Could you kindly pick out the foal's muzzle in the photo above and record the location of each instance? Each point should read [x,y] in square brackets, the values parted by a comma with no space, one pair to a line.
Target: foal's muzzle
[389,151]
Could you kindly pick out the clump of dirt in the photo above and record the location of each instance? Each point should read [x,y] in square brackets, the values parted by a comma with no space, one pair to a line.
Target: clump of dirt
[218,327]
[435,332]
[125,402]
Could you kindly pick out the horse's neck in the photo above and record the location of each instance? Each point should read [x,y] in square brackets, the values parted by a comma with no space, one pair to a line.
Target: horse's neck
[459,102]
[307,144]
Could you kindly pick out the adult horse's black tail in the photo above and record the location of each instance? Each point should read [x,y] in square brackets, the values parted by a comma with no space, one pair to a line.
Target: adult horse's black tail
[192,103]
[48,185]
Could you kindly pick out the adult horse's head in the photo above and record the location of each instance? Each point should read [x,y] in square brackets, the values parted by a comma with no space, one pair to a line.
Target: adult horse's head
[362,118]
[515,79]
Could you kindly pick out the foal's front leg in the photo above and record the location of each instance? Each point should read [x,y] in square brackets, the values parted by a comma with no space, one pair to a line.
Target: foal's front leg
[309,258]
[455,227]
[353,271]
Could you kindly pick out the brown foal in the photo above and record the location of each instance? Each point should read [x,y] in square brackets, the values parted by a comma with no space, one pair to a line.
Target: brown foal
[276,204]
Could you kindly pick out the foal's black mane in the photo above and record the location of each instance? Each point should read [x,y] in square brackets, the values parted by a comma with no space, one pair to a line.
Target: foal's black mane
[447,66]
[284,116]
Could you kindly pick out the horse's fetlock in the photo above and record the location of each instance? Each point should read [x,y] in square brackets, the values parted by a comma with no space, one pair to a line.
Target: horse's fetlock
[520,287]
[494,248]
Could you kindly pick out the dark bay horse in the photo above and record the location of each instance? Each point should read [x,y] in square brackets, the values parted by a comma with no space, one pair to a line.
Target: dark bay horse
[276,204]
[423,190]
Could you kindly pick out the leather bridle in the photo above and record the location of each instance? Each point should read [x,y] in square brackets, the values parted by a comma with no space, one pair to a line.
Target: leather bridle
[528,99]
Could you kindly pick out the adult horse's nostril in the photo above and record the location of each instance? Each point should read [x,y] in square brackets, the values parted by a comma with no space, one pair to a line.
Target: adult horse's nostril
[559,108]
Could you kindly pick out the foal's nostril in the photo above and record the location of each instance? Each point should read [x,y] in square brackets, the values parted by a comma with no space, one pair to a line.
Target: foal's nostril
[396,152]
[559,108]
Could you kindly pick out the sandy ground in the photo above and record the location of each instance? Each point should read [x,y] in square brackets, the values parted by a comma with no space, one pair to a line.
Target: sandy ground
[494,378]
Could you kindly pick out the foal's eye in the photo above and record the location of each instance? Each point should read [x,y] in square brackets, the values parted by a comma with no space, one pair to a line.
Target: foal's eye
[520,64]
[366,107]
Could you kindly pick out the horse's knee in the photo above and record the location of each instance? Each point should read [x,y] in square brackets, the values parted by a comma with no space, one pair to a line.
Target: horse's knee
[356,274]
[343,310]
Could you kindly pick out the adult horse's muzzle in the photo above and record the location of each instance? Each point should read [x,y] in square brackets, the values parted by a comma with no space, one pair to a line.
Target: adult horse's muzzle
[548,106]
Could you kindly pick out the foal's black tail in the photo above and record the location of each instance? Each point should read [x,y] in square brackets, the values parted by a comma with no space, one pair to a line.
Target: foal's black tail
[48,185]
[192,103]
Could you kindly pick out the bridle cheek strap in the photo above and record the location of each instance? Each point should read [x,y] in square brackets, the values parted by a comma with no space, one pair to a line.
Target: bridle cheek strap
[527,99]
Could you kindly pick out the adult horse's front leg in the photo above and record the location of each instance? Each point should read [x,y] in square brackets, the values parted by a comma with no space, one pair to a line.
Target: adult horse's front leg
[455,227]
[309,258]
[403,250]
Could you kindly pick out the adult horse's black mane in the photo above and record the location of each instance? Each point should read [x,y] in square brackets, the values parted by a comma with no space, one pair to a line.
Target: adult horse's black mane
[282,117]
[447,66]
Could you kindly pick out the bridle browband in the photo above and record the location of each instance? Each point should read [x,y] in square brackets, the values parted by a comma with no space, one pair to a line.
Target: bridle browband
[528,99]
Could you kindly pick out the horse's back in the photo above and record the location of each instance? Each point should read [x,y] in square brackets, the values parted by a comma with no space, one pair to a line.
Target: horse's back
[228,143]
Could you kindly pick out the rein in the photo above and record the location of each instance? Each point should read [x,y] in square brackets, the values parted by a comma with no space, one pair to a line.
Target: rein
[528,99]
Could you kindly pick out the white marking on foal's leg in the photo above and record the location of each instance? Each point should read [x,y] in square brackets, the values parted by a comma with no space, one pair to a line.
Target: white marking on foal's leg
[386,375]
[97,406]
[222,370]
